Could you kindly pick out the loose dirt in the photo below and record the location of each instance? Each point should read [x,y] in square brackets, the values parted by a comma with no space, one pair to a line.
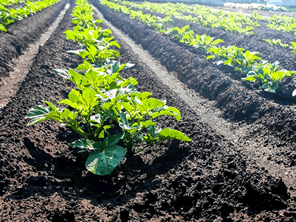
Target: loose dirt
[235,132]
[209,179]
[23,33]
[22,64]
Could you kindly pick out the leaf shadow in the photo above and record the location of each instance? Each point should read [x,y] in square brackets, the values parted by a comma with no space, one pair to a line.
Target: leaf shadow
[135,173]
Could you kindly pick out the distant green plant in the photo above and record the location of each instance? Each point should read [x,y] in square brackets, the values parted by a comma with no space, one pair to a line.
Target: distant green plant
[268,76]
[293,47]
[223,53]
[243,61]
[184,34]
[204,42]
[276,42]
[282,23]
[11,2]
[232,22]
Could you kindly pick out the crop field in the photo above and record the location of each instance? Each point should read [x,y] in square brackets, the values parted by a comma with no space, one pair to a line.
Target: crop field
[114,110]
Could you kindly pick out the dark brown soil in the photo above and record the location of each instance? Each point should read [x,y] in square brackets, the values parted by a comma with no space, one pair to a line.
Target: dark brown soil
[10,83]
[209,179]
[238,100]
[272,118]
[24,32]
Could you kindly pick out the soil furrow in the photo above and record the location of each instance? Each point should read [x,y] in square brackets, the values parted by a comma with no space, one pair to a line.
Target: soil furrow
[42,179]
[11,83]
[26,190]
[273,124]
[156,83]
[23,33]
[238,134]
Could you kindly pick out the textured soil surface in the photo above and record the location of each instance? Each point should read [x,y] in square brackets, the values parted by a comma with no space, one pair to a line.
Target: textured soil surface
[238,167]
[24,32]
[237,100]
[22,64]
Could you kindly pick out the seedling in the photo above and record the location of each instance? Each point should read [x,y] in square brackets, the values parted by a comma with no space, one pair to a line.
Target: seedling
[276,42]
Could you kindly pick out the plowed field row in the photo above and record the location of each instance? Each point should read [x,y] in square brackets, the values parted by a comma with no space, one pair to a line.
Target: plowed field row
[239,165]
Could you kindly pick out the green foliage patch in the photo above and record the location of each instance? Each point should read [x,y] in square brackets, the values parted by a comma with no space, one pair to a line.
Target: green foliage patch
[106,110]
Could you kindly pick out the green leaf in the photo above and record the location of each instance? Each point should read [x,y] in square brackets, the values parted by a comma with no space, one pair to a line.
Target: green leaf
[70,103]
[150,104]
[89,97]
[52,106]
[154,131]
[168,113]
[82,67]
[147,123]
[123,122]
[96,119]
[217,41]
[128,81]
[250,79]
[2,28]
[68,116]
[115,66]
[167,134]
[76,52]
[210,57]
[111,140]
[128,107]
[104,162]
[114,43]
[38,113]
[142,96]
[75,96]
[62,72]
[70,34]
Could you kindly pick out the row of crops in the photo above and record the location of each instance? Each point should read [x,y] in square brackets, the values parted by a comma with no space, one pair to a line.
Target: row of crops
[11,2]
[105,109]
[91,111]
[250,65]
[9,16]
[229,21]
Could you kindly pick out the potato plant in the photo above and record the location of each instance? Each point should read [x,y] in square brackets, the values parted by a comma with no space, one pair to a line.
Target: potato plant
[293,47]
[268,76]
[244,61]
[11,2]
[106,110]
[273,42]
[232,22]
[282,23]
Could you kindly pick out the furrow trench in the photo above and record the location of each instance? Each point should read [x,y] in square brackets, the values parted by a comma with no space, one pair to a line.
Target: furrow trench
[256,151]
[22,64]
